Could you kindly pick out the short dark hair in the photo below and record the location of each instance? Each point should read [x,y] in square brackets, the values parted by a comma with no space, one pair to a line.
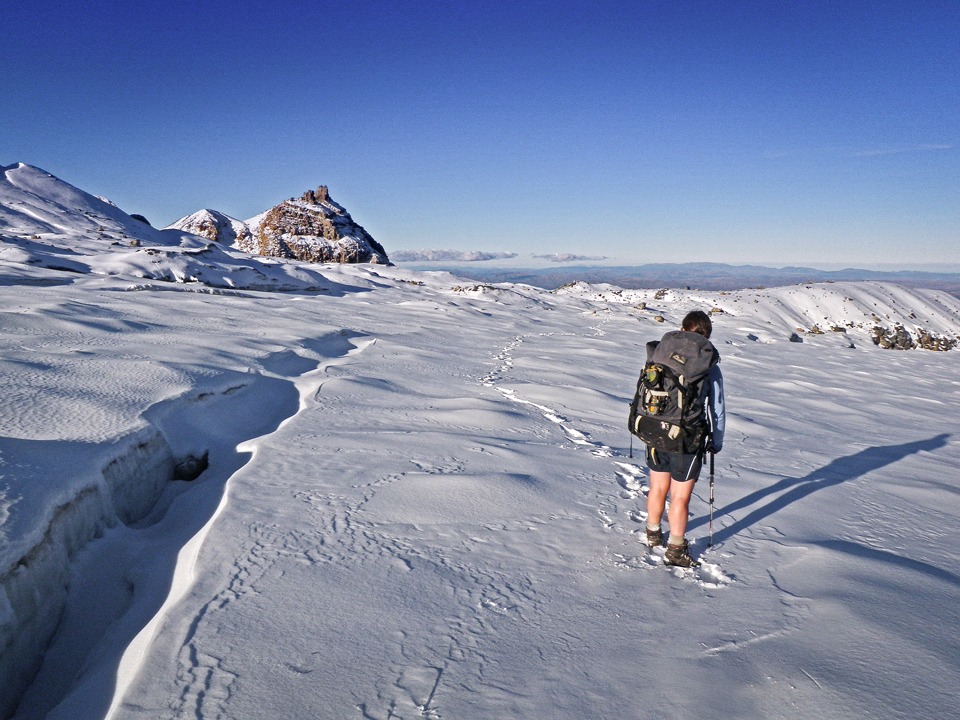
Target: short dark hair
[699,322]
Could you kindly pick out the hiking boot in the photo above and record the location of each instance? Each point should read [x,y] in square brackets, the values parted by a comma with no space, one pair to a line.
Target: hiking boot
[654,538]
[679,555]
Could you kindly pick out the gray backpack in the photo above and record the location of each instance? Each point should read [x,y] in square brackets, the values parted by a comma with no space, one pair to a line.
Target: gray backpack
[667,412]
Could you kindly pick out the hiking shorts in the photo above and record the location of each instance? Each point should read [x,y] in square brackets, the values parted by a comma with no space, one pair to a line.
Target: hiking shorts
[683,467]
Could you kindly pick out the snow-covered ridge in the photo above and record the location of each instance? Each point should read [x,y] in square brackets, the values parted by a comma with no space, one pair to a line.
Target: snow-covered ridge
[48,224]
[38,206]
[216,227]
[855,308]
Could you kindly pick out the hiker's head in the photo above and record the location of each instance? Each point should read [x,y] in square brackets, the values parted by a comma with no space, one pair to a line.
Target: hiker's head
[699,322]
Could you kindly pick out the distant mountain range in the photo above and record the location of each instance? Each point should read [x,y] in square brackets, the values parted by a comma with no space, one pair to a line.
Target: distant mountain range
[704,276]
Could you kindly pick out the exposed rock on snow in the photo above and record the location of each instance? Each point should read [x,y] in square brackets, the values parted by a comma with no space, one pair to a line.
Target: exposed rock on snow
[314,229]
[899,338]
[930,341]
[216,226]
[48,224]
[922,319]
[488,487]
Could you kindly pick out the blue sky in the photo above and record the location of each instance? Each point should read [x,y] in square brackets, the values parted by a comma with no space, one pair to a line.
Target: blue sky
[647,131]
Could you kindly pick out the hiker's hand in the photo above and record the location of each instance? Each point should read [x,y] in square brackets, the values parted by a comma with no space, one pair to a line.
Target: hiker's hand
[711,448]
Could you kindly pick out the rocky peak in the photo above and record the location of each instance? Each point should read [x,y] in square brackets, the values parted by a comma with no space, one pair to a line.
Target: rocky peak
[311,228]
[215,226]
[315,229]
[320,196]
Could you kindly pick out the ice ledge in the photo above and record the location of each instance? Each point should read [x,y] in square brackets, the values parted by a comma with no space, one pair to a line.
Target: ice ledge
[33,588]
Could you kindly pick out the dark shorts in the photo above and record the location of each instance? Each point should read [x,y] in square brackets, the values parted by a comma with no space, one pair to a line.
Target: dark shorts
[681,466]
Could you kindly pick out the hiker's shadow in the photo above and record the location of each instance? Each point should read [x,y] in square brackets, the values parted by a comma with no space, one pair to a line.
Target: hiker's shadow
[836,472]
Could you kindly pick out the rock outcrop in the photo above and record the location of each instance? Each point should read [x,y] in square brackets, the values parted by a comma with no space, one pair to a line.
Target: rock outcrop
[314,228]
[216,226]
[311,228]
[899,338]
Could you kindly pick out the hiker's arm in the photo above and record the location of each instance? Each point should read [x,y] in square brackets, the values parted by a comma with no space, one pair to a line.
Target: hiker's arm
[716,408]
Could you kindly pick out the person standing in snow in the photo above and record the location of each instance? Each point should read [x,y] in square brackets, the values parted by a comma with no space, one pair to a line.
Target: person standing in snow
[674,474]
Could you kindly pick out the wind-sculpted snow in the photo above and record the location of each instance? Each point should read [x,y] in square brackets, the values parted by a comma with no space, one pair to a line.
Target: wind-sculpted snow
[418,499]
[138,489]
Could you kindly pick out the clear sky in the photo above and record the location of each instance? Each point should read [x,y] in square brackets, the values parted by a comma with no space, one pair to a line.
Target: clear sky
[648,131]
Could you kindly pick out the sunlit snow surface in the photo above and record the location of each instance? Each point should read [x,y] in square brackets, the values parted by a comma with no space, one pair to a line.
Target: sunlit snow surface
[420,502]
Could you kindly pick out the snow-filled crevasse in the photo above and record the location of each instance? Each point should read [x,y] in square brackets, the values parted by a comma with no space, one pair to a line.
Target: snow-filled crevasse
[129,489]
[337,347]
[134,473]
[152,519]
[34,590]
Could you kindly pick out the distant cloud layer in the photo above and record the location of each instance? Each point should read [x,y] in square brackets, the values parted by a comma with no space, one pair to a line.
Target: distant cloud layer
[447,255]
[569,257]
[881,152]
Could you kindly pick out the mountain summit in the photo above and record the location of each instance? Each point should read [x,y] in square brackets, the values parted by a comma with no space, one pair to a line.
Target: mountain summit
[215,226]
[314,228]
[311,228]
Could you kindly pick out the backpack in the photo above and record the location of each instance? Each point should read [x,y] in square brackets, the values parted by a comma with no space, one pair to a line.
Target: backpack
[667,412]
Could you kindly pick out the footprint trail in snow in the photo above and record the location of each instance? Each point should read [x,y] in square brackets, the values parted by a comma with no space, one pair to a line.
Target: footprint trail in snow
[630,478]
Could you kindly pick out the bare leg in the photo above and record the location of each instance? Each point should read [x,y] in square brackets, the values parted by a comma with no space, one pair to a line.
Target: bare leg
[680,493]
[657,496]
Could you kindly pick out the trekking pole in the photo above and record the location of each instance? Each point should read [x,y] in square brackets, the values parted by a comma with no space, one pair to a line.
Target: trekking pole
[710,542]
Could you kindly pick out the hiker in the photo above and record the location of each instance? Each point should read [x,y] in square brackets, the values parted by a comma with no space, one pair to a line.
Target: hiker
[675,452]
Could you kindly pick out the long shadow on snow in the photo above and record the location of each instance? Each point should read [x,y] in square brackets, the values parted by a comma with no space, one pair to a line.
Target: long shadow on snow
[865,551]
[834,473]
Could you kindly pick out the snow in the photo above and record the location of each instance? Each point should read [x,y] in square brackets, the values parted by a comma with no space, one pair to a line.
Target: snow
[419,501]
[207,220]
[34,202]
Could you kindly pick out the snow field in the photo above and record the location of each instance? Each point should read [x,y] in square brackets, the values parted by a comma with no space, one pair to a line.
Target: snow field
[419,503]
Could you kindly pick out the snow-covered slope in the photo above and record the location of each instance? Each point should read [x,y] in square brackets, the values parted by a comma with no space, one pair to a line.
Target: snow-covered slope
[37,206]
[47,224]
[851,309]
[413,496]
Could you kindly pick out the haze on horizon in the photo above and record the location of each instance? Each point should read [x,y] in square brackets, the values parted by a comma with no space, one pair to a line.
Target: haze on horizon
[745,132]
